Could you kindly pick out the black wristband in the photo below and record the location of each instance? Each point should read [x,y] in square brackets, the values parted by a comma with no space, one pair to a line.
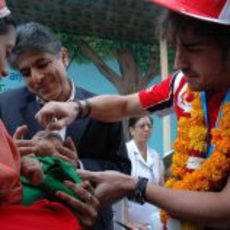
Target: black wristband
[79,115]
[87,109]
[138,194]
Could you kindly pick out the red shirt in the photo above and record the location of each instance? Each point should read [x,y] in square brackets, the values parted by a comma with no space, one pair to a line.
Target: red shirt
[170,94]
[42,215]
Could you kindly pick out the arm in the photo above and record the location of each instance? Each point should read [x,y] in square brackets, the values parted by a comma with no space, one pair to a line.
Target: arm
[11,188]
[205,208]
[56,115]
[114,108]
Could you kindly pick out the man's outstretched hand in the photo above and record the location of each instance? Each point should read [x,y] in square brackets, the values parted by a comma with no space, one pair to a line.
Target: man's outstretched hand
[111,186]
[57,115]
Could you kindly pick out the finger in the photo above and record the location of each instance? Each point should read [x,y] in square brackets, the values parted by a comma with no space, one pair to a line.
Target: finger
[87,214]
[57,125]
[29,163]
[20,132]
[81,192]
[84,200]
[31,168]
[24,143]
[88,175]
[70,144]
[64,151]
[58,155]
[73,202]
[27,150]
[43,116]
[51,121]
[26,147]
[87,185]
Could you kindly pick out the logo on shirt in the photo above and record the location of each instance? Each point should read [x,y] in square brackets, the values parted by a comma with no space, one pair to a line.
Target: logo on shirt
[183,101]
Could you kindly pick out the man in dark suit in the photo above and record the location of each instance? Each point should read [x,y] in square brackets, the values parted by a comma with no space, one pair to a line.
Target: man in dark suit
[42,61]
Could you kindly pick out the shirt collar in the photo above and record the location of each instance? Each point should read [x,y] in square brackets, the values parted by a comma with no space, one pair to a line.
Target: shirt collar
[136,152]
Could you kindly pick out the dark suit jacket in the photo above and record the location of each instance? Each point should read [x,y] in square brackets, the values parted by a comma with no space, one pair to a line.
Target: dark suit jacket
[100,145]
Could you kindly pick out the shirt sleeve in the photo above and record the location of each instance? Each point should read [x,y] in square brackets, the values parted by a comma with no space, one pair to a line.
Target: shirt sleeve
[159,97]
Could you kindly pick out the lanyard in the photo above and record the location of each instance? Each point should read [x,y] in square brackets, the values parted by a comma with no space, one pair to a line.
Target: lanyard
[210,147]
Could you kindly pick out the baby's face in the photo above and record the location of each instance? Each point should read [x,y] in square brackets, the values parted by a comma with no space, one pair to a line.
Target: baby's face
[47,143]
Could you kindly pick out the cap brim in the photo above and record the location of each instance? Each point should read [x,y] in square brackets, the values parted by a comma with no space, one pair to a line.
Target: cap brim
[184,9]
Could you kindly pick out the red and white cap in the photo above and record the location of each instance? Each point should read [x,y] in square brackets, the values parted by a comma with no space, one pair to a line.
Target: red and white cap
[4,11]
[217,11]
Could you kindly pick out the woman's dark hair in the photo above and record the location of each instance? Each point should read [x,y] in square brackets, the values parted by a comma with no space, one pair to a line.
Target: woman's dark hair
[6,24]
[173,24]
[133,120]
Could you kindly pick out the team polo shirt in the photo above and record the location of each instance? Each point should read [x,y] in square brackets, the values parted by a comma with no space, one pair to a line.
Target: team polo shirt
[170,95]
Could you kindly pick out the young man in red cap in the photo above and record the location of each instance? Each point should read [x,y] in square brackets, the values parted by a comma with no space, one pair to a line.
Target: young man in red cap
[198,192]
[42,214]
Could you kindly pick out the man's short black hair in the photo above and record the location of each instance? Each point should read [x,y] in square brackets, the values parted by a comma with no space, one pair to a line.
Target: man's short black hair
[173,25]
[34,37]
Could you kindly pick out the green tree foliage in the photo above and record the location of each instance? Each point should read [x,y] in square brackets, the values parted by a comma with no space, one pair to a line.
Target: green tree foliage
[107,49]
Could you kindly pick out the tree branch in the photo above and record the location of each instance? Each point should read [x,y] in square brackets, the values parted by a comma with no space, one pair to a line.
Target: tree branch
[105,70]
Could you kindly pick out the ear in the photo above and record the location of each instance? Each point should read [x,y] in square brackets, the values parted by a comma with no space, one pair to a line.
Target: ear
[131,131]
[64,56]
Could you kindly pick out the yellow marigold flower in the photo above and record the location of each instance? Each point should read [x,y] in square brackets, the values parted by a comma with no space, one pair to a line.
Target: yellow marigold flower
[181,146]
[170,182]
[192,135]
[184,122]
[226,109]
[198,116]
[224,146]
[216,136]
[198,146]
[178,171]
[196,104]
[226,133]
[225,123]
[198,133]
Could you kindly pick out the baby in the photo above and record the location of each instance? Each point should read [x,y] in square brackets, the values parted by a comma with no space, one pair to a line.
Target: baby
[53,168]
[47,142]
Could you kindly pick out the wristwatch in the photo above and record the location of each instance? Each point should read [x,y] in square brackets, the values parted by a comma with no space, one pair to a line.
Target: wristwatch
[138,195]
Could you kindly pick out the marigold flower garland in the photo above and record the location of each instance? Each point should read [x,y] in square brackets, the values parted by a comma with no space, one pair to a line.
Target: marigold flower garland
[190,169]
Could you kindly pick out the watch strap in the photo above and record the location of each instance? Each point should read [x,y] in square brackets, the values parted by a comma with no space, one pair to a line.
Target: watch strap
[138,194]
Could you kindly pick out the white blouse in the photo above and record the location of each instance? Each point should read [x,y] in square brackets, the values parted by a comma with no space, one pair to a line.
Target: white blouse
[152,169]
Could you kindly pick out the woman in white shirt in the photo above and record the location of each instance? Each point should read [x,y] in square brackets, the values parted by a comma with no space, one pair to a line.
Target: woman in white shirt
[146,163]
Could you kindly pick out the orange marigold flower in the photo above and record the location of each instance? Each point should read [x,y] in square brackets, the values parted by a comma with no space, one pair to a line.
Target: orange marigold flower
[192,137]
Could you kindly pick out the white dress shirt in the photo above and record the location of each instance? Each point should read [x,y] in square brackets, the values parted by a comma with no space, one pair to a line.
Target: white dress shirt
[152,169]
